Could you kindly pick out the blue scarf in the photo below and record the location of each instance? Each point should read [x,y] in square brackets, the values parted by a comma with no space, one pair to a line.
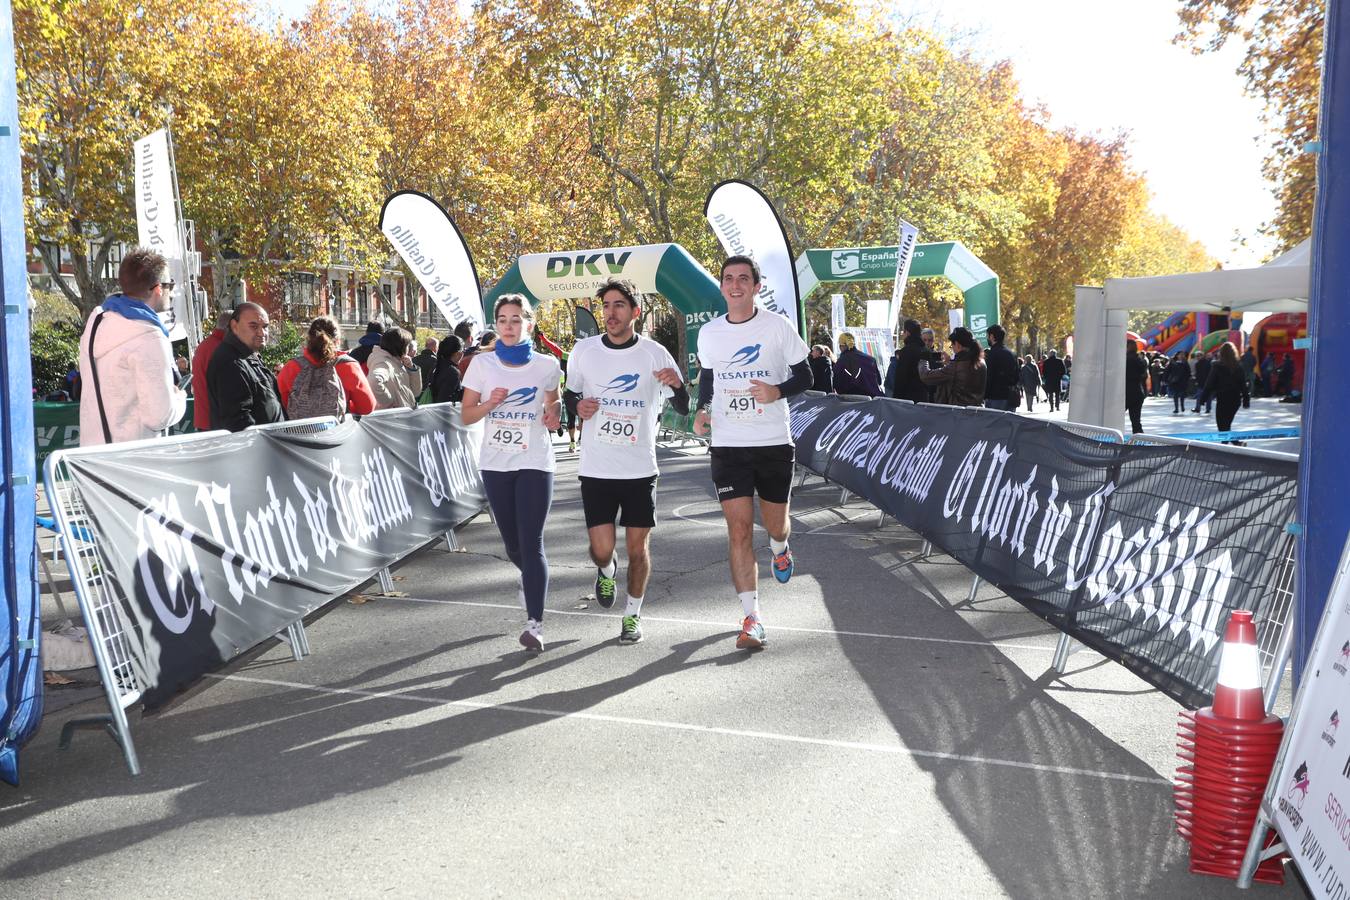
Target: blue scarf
[516,355]
[131,308]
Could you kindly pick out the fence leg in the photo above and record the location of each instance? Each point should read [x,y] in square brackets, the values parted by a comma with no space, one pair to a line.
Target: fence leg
[843,497]
[881,519]
[452,541]
[1255,856]
[974,587]
[386,580]
[802,480]
[1062,651]
[116,727]
[927,550]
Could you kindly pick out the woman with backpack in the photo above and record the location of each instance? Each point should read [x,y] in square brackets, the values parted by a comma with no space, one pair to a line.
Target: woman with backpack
[324,380]
[393,377]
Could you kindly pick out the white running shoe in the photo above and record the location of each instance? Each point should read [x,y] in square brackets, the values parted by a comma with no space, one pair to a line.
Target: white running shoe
[532,638]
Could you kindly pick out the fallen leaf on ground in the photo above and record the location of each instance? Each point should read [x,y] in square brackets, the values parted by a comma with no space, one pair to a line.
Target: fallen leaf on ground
[56,678]
[358,599]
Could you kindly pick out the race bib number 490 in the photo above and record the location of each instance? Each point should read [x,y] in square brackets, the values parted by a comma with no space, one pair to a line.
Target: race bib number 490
[740,406]
[507,437]
[620,429]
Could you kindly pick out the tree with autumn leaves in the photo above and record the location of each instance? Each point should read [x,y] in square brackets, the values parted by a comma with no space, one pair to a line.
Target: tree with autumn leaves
[551,124]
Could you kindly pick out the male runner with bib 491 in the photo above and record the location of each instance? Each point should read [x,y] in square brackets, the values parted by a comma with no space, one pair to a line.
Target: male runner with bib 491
[750,361]
[621,380]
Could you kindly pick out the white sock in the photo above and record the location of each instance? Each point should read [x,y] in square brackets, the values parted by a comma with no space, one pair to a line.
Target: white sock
[534,626]
[776,545]
[750,602]
[634,607]
[609,570]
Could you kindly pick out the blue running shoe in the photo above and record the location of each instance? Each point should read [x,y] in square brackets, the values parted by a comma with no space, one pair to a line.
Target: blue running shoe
[782,565]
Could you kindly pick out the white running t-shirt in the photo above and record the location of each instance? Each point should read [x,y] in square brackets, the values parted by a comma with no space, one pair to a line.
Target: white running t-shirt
[619,441]
[765,347]
[513,434]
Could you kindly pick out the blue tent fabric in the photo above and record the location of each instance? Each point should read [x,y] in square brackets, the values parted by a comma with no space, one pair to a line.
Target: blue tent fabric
[20,628]
[1324,492]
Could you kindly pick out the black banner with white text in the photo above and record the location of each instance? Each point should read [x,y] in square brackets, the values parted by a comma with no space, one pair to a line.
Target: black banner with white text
[217,543]
[1139,551]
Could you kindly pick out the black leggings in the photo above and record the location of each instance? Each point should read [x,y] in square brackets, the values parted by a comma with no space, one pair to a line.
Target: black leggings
[1224,412]
[520,503]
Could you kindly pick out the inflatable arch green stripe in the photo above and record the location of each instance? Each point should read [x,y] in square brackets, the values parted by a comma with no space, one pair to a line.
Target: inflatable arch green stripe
[665,269]
[947,259]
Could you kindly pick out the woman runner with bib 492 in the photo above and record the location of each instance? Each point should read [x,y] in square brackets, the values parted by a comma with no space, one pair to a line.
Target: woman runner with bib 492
[521,410]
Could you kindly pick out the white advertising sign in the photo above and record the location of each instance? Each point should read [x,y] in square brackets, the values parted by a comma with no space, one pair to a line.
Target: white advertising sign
[157,222]
[878,312]
[837,317]
[955,317]
[579,273]
[1309,794]
[746,224]
[909,239]
[430,243]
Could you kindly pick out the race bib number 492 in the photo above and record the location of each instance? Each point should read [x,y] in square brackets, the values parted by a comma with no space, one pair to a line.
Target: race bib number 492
[507,437]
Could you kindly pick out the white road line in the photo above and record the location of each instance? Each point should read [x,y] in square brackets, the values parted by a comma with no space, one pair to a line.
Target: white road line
[731,626]
[895,749]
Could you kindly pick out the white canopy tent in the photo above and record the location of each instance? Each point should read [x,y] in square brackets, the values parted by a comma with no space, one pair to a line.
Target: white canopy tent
[1100,317]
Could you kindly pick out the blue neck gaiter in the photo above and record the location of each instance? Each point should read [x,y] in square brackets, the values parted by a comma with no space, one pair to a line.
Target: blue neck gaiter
[515,355]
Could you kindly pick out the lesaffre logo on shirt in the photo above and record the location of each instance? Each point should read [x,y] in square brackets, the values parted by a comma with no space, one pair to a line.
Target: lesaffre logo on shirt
[745,356]
[622,384]
[521,396]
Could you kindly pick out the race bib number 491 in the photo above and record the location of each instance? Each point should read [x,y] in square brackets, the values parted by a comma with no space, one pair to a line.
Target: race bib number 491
[740,406]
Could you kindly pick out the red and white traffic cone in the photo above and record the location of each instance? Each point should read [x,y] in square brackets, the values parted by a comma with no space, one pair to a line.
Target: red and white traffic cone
[1227,752]
[1238,692]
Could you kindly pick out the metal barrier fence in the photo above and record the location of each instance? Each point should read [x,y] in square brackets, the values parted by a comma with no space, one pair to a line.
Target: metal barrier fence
[1275,641]
[109,625]
[100,606]
[1276,635]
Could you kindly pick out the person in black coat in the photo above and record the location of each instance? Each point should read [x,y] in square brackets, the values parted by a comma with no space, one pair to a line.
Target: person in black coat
[822,371]
[242,388]
[1004,374]
[1227,386]
[1284,377]
[369,341]
[1178,378]
[1136,376]
[1202,367]
[446,384]
[1052,377]
[906,385]
[1031,381]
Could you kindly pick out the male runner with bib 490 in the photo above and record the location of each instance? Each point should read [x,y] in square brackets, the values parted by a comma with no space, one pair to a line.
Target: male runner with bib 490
[750,361]
[620,381]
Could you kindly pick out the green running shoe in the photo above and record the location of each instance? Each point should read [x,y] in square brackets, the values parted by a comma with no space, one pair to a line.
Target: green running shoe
[631,630]
[605,588]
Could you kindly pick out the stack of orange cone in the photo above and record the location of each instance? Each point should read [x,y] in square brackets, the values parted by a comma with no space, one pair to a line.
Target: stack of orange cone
[1227,752]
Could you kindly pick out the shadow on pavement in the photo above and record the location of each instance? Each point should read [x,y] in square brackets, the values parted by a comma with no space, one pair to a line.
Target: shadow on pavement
[296,747]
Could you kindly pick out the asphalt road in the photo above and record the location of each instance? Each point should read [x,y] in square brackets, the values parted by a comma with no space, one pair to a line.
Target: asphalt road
[894,739]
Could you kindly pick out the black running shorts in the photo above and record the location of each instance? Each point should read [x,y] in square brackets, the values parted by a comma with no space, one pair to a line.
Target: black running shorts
[746,471]
[603,498]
